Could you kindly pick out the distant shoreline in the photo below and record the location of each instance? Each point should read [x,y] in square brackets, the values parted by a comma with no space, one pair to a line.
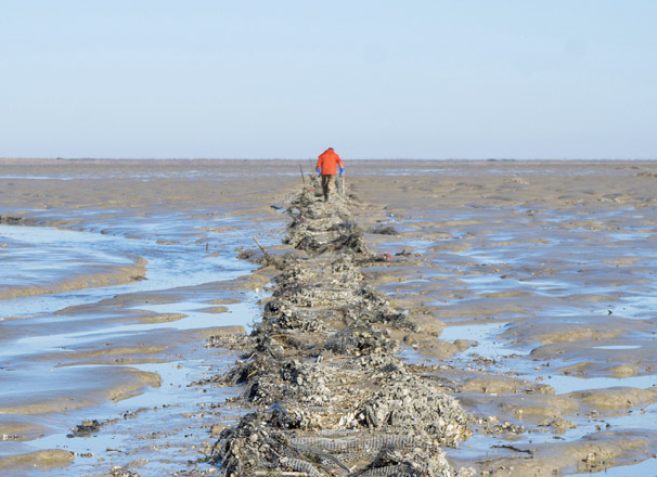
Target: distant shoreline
[103,161]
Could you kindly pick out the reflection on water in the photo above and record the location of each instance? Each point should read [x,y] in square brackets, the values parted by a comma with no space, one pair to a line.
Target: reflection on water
[553,269]
[645,468]
[34,326]
[169,265]
[617,347]
[489,344]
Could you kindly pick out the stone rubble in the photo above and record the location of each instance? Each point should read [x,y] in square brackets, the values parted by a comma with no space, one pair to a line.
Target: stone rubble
[327,392]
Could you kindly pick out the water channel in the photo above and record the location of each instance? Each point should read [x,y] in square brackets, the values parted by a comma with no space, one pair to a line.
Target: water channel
[34,328]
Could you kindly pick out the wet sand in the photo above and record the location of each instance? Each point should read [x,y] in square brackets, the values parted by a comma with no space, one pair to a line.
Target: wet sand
[546,274]
[538,275]
[107,317]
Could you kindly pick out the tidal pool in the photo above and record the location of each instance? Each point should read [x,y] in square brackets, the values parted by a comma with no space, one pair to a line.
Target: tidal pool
[39,334]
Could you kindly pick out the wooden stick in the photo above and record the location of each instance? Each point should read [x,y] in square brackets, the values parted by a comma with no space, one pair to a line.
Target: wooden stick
[268,257]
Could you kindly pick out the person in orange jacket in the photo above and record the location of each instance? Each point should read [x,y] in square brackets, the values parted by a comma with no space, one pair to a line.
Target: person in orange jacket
[327,167]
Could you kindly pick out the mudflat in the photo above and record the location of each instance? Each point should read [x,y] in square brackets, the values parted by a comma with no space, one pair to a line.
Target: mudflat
[543,274]
[533,280]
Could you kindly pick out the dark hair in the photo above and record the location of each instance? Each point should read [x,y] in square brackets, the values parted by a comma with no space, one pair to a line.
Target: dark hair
[331,148]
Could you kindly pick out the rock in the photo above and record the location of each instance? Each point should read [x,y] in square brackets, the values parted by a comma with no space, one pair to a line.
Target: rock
[321,371]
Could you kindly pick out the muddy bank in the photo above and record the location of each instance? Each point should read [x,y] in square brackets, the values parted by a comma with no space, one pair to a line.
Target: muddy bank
[544,275]
[41,459]
[109,312]
[532,285]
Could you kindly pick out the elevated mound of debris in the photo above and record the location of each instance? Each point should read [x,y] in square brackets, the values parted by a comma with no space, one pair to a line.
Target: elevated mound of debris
[329,394]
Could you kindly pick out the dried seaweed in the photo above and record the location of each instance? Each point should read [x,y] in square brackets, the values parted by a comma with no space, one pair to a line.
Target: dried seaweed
[331,396]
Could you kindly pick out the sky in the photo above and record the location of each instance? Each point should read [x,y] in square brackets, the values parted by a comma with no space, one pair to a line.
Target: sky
[413,79]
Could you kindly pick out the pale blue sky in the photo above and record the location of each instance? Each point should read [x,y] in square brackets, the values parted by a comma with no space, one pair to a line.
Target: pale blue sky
[286,79]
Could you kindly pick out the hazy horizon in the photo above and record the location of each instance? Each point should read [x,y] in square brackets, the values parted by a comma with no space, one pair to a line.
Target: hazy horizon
[427,79]
[383,159]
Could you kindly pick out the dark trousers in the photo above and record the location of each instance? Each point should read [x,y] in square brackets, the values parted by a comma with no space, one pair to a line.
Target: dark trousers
[328,182]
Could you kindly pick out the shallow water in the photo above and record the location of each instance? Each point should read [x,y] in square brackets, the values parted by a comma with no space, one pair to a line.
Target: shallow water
[155,417]
[57,252]
[553,272]
[493,346]
[32,327]
[513,244]
[521,260]
[509,360]
[645,468]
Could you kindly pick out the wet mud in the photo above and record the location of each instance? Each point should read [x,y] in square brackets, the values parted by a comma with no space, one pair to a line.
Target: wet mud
[543,274]
[327,392]
[117,275]
[491,318]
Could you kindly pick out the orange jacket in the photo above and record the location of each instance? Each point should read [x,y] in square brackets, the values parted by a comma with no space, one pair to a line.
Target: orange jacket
[328,162]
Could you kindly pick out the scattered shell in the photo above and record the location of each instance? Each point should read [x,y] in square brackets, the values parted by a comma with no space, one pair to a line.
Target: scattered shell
[330,395]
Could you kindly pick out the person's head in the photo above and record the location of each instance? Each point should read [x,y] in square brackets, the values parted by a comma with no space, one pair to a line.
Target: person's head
[330,149]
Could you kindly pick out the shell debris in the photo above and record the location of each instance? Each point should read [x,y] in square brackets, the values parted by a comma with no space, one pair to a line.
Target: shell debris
[320,372]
